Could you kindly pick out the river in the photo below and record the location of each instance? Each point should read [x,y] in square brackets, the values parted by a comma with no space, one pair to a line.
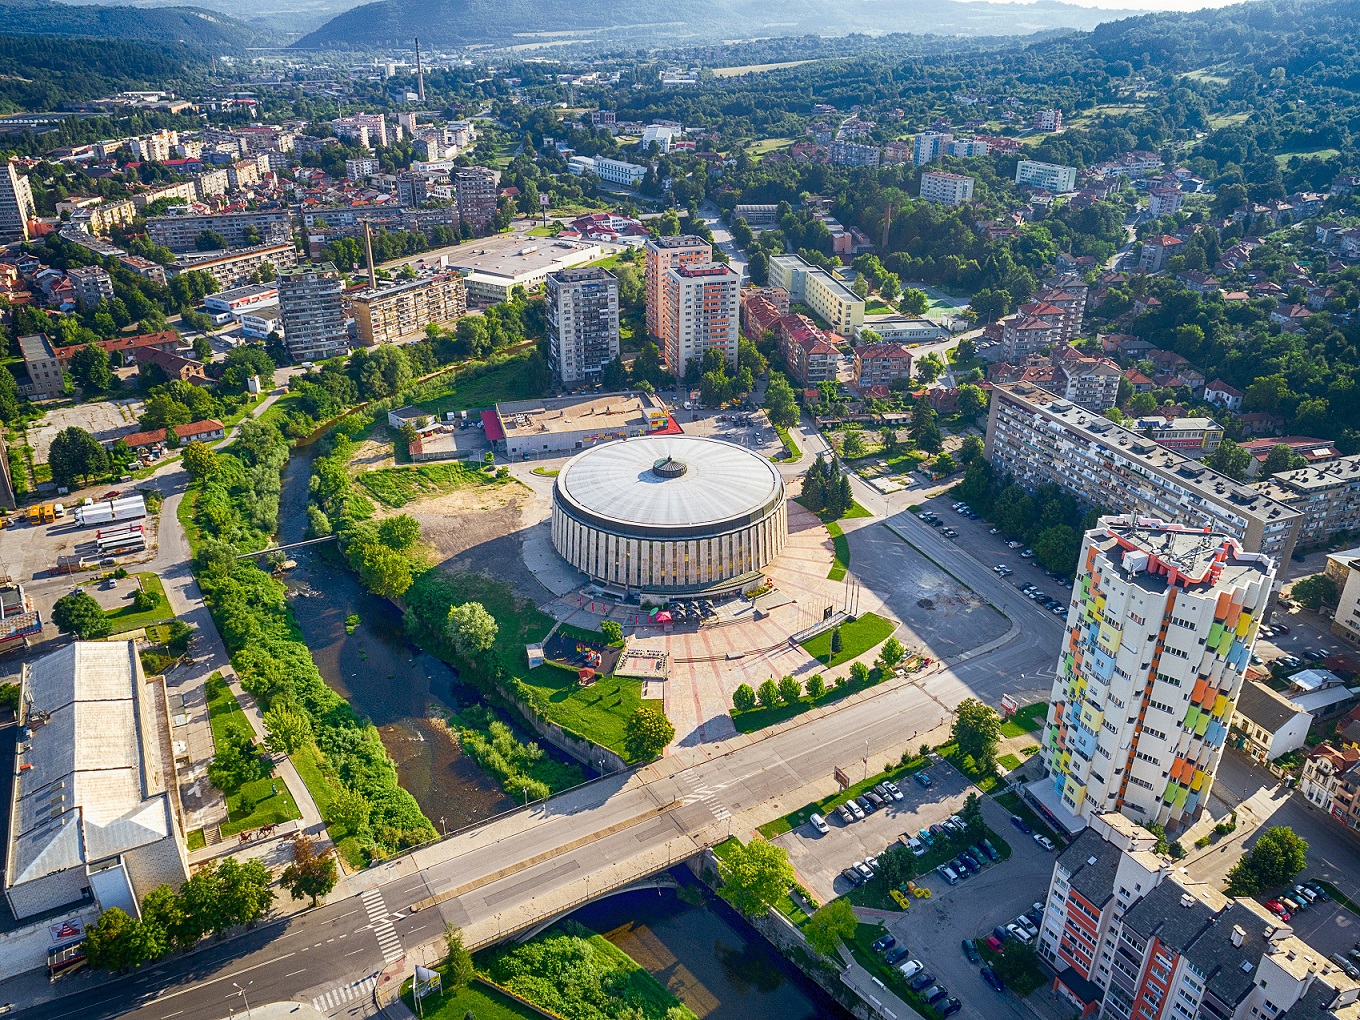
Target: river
[378,671]
[708,957]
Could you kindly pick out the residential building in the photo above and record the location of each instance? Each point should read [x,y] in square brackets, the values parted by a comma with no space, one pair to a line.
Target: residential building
[16,204]
[663,255]
[881,364]
[96,729]
[45,377]
[582,308]
[1164,201]
[663,135]
[1092,383]
[154,148]
[930,147]
[358,169]
[701,308]
[1326,494]
[240,229]
[145,268]
[1193,437]
[366,129]
[967,148]
[1109,867]
[904,329]
[475,192]
[1050,176]
[180,189]
[854,154]
[92,284]
[240,266]
[1159,635]
[98,216]
[206,431]
[313,313]
[412,189]
[1322,771]
[1346,619]
[1156,251]
[809,353]
[402,310]
[1220,394]
[947,189]
[1048,120]
[1032,331]
[243,173]
[1036,437]
[834,302]
[1269,723]
[176,367]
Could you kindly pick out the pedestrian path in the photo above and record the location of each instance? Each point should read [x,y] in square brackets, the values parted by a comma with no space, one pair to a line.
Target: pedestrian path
[381,920]
[337,997]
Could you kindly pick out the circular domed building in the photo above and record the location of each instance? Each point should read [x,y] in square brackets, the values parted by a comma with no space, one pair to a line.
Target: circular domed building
[669,513]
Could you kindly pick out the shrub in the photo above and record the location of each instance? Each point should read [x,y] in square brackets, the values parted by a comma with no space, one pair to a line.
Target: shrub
[744,698]
[790,690]
[816,686]
[144,600]
[768,693]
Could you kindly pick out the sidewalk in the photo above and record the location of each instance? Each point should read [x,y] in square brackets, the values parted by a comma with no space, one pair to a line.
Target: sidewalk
[875,992]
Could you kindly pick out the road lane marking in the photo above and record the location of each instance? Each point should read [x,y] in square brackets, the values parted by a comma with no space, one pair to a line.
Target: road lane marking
[225,977]
[295,973]
[336,997]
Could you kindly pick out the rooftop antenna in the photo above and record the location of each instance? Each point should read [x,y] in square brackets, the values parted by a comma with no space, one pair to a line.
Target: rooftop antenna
[368,247]
[420,74]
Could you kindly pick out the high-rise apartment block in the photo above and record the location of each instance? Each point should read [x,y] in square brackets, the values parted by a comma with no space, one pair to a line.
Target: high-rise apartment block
[16,205]
[701,304]
[930,146]
[91,284]
[845,153]
[244,228]
[1159,634]
[313,312]
[663,255]
[1048,120]
[833,301]
[475,191]
[1037,437]
[947,189]
[582,306]
[1052,177]
[403,309]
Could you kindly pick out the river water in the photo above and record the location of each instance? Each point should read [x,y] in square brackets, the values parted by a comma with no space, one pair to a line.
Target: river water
[709,957]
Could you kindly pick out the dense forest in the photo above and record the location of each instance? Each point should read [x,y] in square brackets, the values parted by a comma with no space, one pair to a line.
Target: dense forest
[192,26]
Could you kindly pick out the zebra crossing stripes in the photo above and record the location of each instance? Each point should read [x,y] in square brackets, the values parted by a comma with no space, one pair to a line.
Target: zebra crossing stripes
[708,797]
[381,922]
[351,992]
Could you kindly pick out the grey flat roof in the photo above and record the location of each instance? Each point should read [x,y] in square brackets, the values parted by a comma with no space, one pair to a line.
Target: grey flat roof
[720,482]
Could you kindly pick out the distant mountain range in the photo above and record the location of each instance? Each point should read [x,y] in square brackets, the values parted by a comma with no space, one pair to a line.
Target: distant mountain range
[455,24]
[196,27]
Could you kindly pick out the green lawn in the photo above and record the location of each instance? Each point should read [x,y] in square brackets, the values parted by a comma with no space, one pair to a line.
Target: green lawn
[185,515]
[261,801]
[477,999]
[985,781]
[599,712]
[507,381]
[1021,983]
[194,840]
[826,805]
[786,438]
[1029,719]
[311,768]
[1282,158]
[759,717]
[840,564]
[127,618]
[857,637]
[1009,762]
[518,621]
[396,486]
[863,950]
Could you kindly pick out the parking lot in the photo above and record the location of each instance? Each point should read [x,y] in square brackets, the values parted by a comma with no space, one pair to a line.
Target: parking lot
[757,436]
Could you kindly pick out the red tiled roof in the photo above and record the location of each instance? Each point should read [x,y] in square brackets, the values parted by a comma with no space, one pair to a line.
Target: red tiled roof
[492,424]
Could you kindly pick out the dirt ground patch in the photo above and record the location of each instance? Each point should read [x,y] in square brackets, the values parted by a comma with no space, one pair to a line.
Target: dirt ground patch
[106,420]
[374,452]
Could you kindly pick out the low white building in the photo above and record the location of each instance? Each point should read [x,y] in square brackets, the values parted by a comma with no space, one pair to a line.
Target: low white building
[1052,177]
[95,812]
[1271,724]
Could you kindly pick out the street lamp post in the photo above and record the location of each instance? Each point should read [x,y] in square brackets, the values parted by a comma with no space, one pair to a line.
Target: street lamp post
[242,993]
[444,828]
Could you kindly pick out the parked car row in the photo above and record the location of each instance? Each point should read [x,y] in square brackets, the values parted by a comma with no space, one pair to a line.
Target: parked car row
[1055,606]
[1296,900]
[857,808]
[969,861]
[922,981]
[1024,929]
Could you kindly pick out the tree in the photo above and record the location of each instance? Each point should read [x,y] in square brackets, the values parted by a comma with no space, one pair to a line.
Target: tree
[91,370]
[383,570]
[977,731]
[200,460]
[460,969]
[81,615]
[471,629]
[236,761]
[780,404]
[744,698]
[1231,460]
[945,464]
[117,941]
[768,693]
[757,876]
[144,600]
[399,533]
[647,734]
[853,444]
[1314,592]
[1141,404]
[203,348]
[830,925]
[837,641]
[614,375]
[859,672]
[914,302]
[245,895]
[1278,855]
[288,729]
[1280,458]
[925,428]
[75,454]
[161,909]
[349,811]
[972,401]
[928,369]
[210,240]
[1017,963]
[613,632]
[816,686]
[790,690]
[971,449]
[890,655]
[311,873]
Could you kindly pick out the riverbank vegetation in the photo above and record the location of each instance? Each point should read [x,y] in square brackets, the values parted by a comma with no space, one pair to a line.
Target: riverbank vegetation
[240,769]
[524,771]
[340,757]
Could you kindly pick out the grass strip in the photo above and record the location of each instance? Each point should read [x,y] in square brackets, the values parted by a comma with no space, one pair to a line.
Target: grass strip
[857,637]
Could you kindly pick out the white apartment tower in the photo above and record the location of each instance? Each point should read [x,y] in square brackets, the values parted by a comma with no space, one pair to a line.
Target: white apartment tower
[16,205]
[701,312]
[312,310]
[930,146]
[945,188]
[1052,177]
[1159,633]
[663,255]
[582,306]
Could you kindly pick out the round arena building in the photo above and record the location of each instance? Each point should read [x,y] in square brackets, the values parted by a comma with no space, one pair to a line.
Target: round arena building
[669,513]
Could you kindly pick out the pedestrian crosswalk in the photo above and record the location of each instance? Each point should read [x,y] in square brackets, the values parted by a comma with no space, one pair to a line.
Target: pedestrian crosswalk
[704,794]
[352,992]
[381,921]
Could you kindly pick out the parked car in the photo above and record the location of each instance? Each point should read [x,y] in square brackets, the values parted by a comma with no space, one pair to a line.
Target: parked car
[1305,892]
[1001,933]
[1012,544]
[1277,908]
[921,981]
[989,851]
[1043,841]
[875,799]
[926,836]
[1021,824]
[865,871]
[852,876]
[935,993]
[884,943]
[969,950]
[949,1007]
[893,789]
[924,779]
[992,978]
[1290,905]
[910,969]
[1028,925]
[1028,554]
[847,816]
[1317,888]
[855,809]
[993,943]
[896,953]
[883,792]
[916,847]
[818,823]
[1020,934]
[948,874]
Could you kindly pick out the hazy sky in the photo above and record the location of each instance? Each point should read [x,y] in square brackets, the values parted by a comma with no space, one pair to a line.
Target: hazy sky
[1149,5]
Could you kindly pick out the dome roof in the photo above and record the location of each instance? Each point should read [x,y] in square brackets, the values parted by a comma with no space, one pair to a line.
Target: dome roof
[659,482]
